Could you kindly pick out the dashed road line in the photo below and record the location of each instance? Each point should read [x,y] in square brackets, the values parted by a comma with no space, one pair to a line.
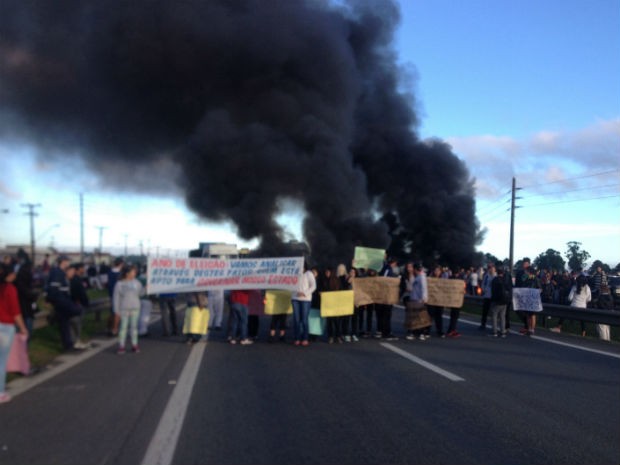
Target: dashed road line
[424,363]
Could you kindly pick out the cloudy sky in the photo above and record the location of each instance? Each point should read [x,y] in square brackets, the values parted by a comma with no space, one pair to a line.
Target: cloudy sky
[524,89]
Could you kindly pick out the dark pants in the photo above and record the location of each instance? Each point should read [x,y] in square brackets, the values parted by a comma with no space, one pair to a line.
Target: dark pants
[252,326]
[436,314]
[454,318]
[486,306]
[169,305]
[64,324]
[333,326]
[278,322]
[384,316]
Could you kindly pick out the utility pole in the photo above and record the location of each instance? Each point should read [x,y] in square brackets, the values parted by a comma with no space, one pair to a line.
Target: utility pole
[101,228]
[512,221]
[31,213]
[81,227]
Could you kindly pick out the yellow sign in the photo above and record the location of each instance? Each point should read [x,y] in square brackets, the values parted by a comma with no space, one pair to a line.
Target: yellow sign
[336,303]
[278,302]
[196,320]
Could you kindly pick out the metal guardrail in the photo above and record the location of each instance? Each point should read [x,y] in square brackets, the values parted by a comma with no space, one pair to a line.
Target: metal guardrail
[593,315]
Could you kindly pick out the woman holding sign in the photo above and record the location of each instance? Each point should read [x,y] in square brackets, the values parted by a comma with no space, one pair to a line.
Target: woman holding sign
[301,306]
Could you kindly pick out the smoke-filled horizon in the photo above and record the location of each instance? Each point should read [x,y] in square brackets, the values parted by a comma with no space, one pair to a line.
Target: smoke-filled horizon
[256,102]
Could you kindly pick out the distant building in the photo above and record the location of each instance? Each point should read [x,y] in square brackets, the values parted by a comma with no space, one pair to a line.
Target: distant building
[218,250]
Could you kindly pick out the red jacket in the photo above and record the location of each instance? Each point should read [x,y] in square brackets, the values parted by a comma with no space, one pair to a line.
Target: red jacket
[240,297]
[9,303]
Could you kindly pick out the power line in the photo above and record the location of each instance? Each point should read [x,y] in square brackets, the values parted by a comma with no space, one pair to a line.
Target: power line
[573,179]
[572,201]
[572,190]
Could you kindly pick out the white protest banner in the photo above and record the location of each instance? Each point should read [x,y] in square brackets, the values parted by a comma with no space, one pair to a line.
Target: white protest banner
[178,275]
[526,299]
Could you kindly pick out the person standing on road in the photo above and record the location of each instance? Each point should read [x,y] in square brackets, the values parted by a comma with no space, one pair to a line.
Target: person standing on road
[435,311]
[127,292]
[384,311]
[239,301]
[59,295]
[80,298]
[486,295]
[499,300]
[419,296]
[216,305]
[112,278]
[26,293]
[301,306]
[10,316]
[168,305]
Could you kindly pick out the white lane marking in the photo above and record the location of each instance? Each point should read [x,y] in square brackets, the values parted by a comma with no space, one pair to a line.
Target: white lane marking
[553,341]
[164,442]
[424,363]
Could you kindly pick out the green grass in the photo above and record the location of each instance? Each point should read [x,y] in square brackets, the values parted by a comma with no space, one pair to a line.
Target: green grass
[45,344]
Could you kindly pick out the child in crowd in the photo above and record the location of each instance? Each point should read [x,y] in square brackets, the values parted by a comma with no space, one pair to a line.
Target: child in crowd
[127,292]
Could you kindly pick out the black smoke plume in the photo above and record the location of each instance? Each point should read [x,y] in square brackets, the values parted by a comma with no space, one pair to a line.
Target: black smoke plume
[258,103]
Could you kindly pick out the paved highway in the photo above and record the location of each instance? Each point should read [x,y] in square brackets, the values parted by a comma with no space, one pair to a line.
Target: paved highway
[473,400]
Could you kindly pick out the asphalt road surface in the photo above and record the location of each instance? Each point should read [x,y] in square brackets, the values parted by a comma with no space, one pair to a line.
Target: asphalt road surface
[551,399]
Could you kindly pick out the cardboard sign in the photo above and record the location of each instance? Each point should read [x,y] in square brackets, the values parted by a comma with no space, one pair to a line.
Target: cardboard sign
[376,290]
[370,259]
[445,292]
[336,303]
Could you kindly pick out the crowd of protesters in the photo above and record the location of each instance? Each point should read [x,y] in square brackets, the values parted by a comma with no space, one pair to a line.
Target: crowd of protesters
[64,285]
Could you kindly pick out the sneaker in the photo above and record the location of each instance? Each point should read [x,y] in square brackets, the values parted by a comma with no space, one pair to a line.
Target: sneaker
[504,334]
[454,334]
[135,349]
[495,335]
[556,330]
[442,335]
[305,343]
[422,337]
[523,331]
[377,335]
[297,343]
[246,342]
[354,338]
[410,337]
[391,337]
[120,351]
[339,340]
[347,339]
[4,397]
[232,341]
[330,340]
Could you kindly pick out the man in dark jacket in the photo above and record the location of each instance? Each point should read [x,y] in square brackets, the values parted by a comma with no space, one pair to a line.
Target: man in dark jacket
[80,299]
[58,294]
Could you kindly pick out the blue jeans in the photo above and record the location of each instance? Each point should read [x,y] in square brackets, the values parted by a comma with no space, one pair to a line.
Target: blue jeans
[239,320]
[7,332]
[301,310]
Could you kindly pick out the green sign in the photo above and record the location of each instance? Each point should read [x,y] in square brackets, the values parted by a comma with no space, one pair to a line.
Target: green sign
[370,259]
